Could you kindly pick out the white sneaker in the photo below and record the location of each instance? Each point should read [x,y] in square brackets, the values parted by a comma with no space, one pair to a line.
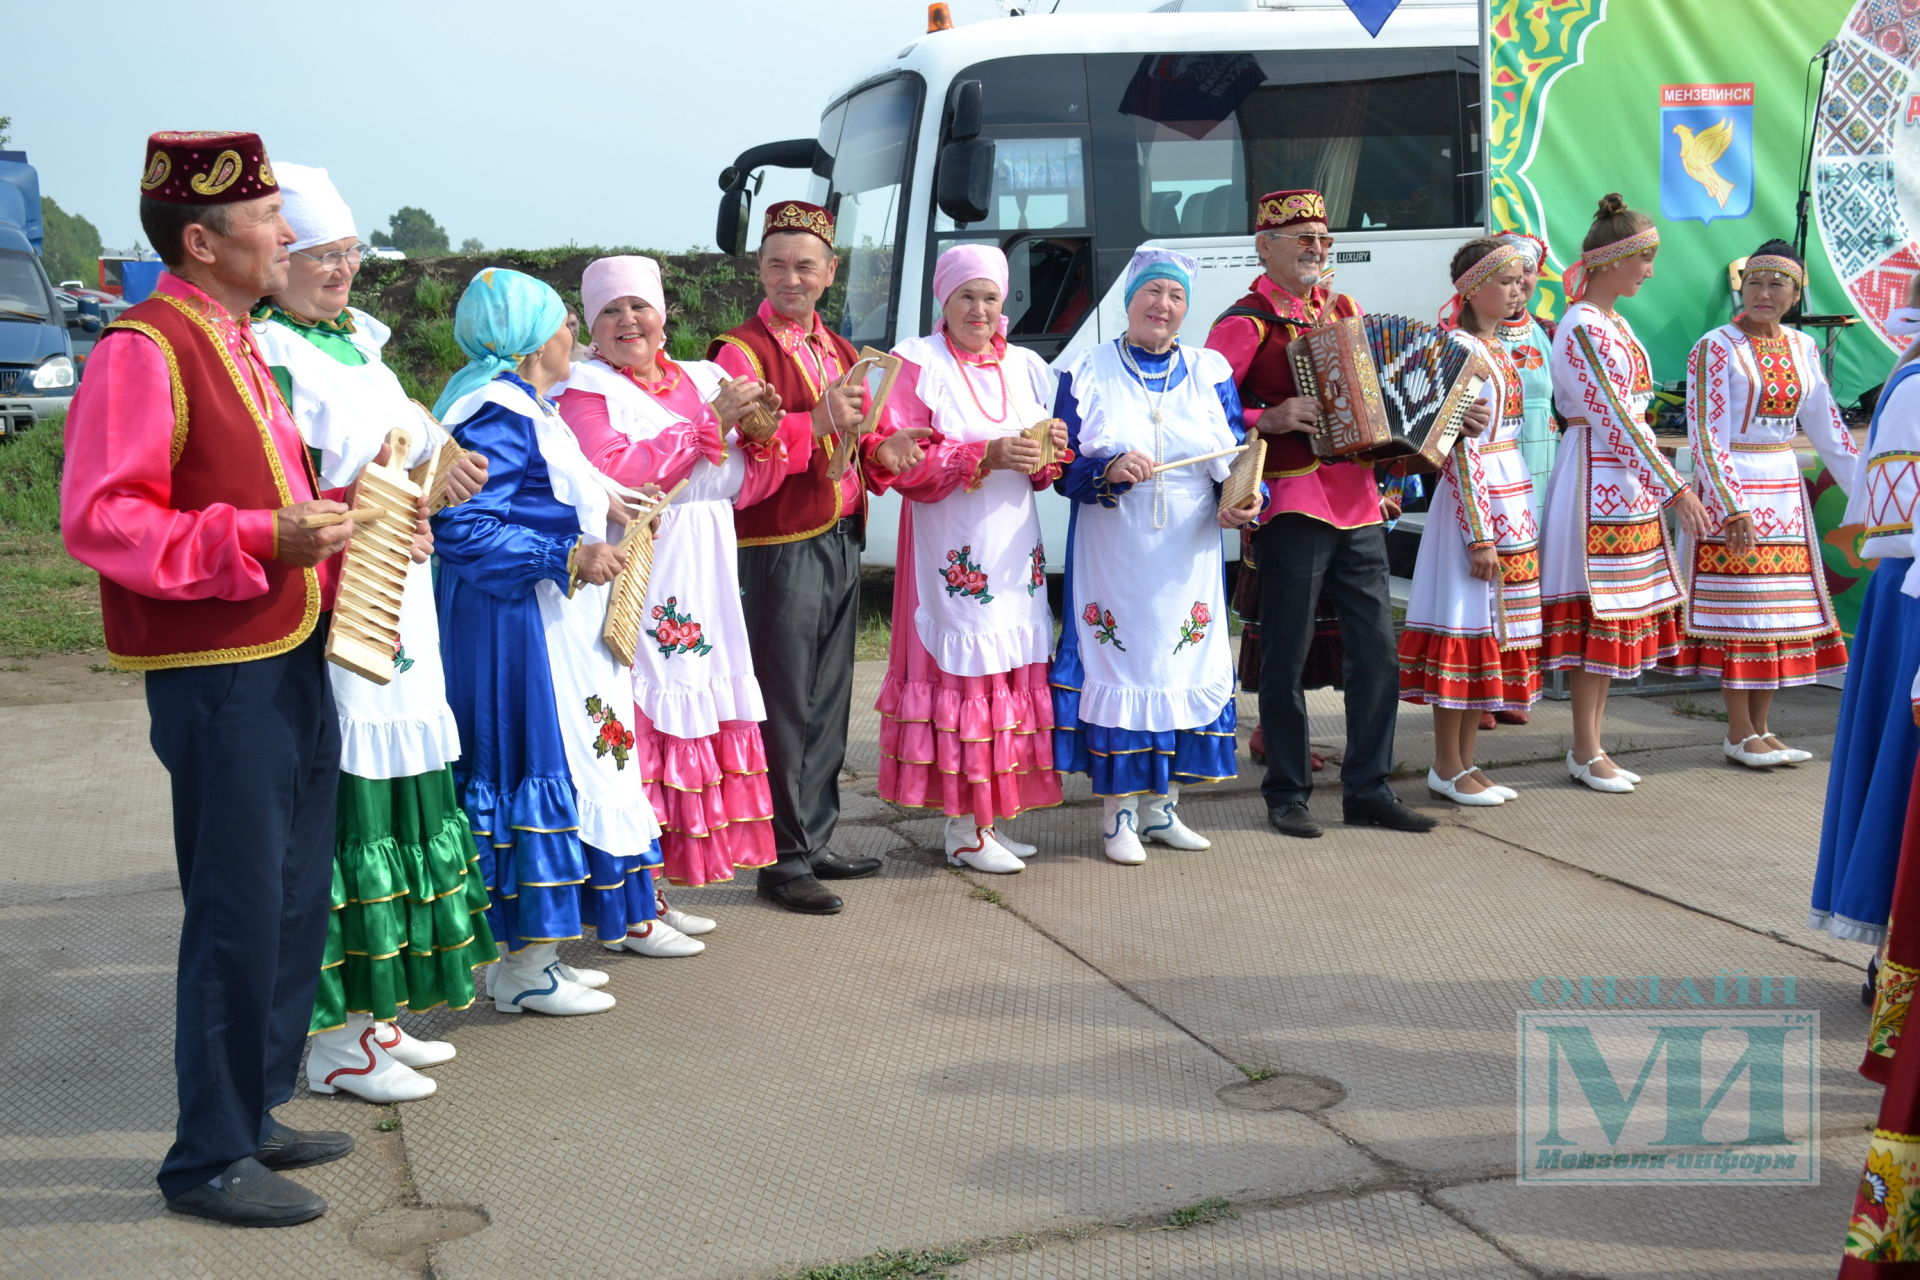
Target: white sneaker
[1583,774]
[1018,848]
[1160,823]
[350,1059]
[1120,836]
[971,845]
[532,979]
[409,1052]
[658,939]
[1450,788]
[684,921]
[1738,753]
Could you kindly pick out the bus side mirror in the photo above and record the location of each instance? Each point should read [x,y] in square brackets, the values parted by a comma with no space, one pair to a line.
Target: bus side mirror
[963,111]
[963,183]
[730,232]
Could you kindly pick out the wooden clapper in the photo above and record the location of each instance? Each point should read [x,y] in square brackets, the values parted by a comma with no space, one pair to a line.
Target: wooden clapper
[373,575]
[889,367]
[627,602]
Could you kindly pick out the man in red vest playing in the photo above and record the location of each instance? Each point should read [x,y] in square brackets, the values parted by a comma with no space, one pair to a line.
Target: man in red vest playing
[800,554]
[1321,532]
[185,485]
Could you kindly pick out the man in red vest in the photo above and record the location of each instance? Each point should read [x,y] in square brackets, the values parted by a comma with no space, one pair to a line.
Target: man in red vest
[800,553]
[186,485]
[1321,532]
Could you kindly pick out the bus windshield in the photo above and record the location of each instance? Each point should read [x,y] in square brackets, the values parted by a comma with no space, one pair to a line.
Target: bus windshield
[867,139]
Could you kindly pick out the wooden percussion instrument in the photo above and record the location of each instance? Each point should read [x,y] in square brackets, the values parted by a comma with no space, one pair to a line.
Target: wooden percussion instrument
[889,366]
[1041,433]
[1389,388]
[432,475]
[1242,485]
[759,425]
[627,602]
[373,576]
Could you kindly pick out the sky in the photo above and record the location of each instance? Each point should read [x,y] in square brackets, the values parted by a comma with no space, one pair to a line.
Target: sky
[526,126]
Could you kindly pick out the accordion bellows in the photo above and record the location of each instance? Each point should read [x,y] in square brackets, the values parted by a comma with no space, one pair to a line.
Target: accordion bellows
[1389,388]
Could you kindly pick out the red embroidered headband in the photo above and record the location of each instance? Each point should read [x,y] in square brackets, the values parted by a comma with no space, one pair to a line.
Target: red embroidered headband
[1777,263]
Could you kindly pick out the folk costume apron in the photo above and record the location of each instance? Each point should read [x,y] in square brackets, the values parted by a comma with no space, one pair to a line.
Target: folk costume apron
[1148,594]
[983,602]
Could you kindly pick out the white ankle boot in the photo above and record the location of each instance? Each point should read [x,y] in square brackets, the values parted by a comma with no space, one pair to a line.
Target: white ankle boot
[1120,836]
[684,921]
[1018,848]
[972,845]
[409,1052]
[592,979]
[532,979]
[658,939]
[1160,821]
[351,1059]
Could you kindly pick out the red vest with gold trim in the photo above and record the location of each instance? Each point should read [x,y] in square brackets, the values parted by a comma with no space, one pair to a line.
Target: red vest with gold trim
[1270,380]
[223,451]
[808,504]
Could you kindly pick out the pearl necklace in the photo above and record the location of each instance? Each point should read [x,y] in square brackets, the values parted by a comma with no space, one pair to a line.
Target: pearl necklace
[1155,402]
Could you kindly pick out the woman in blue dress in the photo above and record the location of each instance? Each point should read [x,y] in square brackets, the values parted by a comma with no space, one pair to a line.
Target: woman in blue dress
[565,835]
[1144,678]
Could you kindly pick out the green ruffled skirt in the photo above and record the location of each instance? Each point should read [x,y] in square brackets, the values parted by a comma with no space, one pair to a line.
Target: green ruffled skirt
[409,923]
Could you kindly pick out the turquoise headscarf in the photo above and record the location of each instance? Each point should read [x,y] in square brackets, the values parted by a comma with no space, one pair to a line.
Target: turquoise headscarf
[503,317]
[1158,264]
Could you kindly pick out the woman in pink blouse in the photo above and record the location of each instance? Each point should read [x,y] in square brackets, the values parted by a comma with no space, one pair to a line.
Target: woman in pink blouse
[966,716]
[645,419]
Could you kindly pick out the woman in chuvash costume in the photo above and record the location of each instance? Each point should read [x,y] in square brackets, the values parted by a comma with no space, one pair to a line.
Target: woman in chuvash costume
[409,921]
[643,418]
[1758,616]
[1472,636]
[1143,679]
[966,716]
[549,777]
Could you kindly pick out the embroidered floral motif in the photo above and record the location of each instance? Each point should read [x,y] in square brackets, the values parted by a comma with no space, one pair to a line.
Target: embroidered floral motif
[1886,1219]
[676,632]
[1527,357]
[1890,1005]
[1101,620]
[964,578]
[1194,629]
[615,739]
[1038,578]
[401,662]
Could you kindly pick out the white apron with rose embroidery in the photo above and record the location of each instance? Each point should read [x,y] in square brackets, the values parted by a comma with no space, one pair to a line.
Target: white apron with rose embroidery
[404,728]
[981,611]
[693,667]
[1147,574]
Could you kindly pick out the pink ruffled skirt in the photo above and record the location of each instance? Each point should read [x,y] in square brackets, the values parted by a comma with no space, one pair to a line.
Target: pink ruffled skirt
[980,745]
[712,799]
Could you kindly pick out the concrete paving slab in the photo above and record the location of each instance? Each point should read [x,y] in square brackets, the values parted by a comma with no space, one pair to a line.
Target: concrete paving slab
[1387,1236]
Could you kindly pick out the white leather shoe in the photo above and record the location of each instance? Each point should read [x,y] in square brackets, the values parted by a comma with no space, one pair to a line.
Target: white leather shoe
[409,1052]
[1622,771]
[1504,792]
[532,979]
[350,1059]
[1450,788]
[971,845]
[1791,755]
[1583,774]
[685,921]
[1160,823]
[1738,753]
[1018,848]
[591,979]
[1120,836]
[658,939]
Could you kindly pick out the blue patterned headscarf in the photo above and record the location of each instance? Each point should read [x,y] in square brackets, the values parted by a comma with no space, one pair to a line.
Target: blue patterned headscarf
[503,317]
[1158,264]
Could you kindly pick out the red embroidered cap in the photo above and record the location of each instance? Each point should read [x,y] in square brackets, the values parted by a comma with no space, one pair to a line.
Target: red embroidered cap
[205,167]
[798,215]
[1279,210]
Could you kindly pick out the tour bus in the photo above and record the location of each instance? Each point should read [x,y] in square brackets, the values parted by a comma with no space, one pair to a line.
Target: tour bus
[1068,140]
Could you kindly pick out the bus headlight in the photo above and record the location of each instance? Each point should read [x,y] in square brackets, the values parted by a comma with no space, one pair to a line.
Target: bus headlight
[55,373]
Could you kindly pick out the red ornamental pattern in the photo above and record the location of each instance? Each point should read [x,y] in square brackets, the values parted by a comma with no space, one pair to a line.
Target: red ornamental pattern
[1038,578]
[1194,629]
[614,738]
[964,578]
[677,632]
[1101,620]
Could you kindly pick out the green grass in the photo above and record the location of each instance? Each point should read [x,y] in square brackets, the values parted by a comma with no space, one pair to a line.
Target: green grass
[49,602]
[889,1264]
[981,893]
[1213,1209]
[1698,711]
[1257,1073]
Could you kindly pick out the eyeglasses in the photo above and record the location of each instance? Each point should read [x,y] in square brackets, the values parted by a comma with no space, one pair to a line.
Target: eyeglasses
[1309,241]
[337,258]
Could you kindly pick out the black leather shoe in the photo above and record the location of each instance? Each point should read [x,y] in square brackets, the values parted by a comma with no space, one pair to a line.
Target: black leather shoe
[297,1148]
[831,866]
[1390,814]
[805,895]
[250,1195]
[1294,820]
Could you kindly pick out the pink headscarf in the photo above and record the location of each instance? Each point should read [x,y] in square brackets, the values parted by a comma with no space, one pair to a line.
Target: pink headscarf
[966,262]
[630,276]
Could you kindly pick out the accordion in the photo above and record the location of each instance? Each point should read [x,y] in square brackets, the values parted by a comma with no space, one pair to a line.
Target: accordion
[1389,388]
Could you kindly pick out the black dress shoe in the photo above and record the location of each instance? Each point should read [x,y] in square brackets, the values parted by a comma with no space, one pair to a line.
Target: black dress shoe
[297,1148]
[250,1195]
[805,895]
[1294,820]
[831,866]
[1389,813]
